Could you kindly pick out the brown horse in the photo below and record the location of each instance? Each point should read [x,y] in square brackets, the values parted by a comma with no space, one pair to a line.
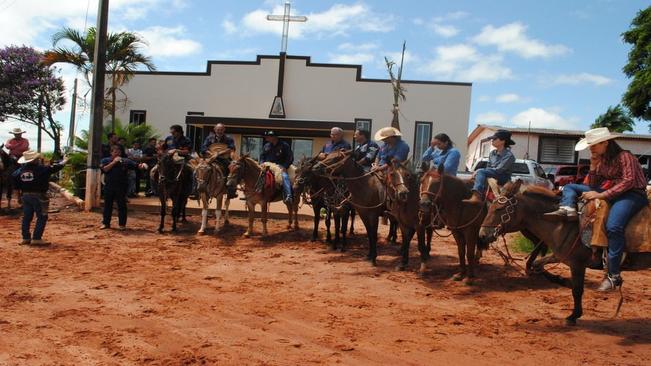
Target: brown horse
[367,192]
[404,195]
[513,211]
[174,181]
[442,198]
[211,183]
[249,172]
[328,194]
[7,167]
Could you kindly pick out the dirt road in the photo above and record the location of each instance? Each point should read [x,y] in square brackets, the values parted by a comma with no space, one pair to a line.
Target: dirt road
[137,297]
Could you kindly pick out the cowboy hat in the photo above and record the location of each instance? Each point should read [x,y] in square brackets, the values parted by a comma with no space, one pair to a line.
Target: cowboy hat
[269,133]
[385,132]
[28,157]
[503,135]
[16,131]
[594,136]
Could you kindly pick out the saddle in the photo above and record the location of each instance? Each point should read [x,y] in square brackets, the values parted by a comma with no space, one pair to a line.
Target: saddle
[638,230]
[221,150]
[277,170]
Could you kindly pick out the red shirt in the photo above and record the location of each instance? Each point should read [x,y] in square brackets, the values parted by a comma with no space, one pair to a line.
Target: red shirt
[624,171]
[17,146]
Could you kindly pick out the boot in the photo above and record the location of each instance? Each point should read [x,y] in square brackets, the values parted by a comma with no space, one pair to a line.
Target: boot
[610,283]
[476,199]
[564,212]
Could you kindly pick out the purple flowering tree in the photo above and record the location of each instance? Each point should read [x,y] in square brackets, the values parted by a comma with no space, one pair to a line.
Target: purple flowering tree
[30,92]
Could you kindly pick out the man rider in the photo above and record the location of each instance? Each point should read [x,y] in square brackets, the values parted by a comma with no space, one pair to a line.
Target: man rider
[393,148]
[366,150]
[219,136]
[278,152]
[336,143]
[17,145]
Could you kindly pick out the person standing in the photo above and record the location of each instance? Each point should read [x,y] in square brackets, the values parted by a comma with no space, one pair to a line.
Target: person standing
[366,150]
[336,143]
[17,145]
[442,151]
[279,152]
[33,179]
[135,155]
[113,139]
[500,166]
[116,170]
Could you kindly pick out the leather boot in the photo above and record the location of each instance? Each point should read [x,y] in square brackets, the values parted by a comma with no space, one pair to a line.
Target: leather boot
[476,199]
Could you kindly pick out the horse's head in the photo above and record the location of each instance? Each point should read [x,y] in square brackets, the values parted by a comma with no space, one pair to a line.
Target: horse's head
[236,171]
[333,164]
[431,188]
[397,176]
[304,174]
[204,171]
[168,169]
[504,214]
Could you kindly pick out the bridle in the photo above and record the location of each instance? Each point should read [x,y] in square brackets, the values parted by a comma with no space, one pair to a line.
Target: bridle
[509,204]
[166,163]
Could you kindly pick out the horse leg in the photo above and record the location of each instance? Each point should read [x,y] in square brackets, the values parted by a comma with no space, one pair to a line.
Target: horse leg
[352,222]
[393,232]
[423,248]
[264,207]
[344,228]
[175,213]
[461,248]
[328,219]
[407,235]
[204,215]
[227,203]
[337,220]
[163,208]
[578,280]
[471,244]
[375,221]
[317,217]
[290,214]
[10,189]
[428,232]
[218,212]
[251,208]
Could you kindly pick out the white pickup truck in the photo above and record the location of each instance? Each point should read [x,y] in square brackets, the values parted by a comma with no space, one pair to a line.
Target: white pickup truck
[528,170]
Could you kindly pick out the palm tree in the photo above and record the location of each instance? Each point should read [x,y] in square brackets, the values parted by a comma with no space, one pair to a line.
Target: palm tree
[123,57]
[617,119]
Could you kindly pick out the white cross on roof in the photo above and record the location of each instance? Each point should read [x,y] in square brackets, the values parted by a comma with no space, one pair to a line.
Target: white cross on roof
[286,18]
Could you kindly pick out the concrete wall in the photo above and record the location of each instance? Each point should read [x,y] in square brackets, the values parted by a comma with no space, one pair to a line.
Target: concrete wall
[315,92]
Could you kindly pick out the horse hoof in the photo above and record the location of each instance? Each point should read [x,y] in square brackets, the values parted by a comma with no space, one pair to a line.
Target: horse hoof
[570,321]
[247,234]
[458,277]
[401,267]
[314,239]
[201,232]
[342,249]
[160,231]
[423,269]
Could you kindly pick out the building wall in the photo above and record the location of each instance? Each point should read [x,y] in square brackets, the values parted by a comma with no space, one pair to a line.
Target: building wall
[314,92]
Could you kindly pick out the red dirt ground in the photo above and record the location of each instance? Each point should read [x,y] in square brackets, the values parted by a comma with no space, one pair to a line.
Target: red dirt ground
[137,297]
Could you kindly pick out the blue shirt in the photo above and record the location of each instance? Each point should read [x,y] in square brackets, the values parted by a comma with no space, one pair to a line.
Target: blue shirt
[181,142]
[367,151]
[400,152]
[449,158]
[117,177]
[213,139]
[34,178]
[279,153]
[334,146]
[502,163]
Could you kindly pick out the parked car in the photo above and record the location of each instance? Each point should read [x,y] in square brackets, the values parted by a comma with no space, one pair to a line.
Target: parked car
[566,174]
[528,170]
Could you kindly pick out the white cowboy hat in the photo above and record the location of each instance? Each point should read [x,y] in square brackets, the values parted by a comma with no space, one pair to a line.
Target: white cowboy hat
[28,156]
[16,131]
[385,132]
[594,136]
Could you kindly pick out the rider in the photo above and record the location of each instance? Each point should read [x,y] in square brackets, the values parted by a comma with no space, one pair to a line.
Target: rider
[219,136]
[336,143]
[365,149]
[278,152]
[394,148]
[626,193]
[500,166]
[442,151]
[177,144]
[17,145]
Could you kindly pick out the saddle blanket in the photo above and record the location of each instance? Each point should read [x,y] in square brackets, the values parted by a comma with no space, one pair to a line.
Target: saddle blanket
[638,230]
[277,172]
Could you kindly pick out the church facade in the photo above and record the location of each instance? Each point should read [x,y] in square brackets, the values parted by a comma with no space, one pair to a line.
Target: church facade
[315,97]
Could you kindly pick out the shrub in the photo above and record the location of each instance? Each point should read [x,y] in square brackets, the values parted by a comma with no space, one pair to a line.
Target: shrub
[521,244]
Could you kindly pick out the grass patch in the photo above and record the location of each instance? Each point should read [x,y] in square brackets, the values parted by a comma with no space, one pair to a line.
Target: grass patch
[521,244]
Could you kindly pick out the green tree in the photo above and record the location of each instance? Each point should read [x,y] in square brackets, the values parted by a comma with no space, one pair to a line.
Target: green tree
[132,133]
[616,118]
[638,95]
[123,57]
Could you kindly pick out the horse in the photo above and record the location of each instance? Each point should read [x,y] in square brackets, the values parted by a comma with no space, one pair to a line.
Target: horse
[403,193]
[441,197]
[366,187]
[324,193]
[250,172]
[175,183]
[516,210]
[7,167]
[211,183]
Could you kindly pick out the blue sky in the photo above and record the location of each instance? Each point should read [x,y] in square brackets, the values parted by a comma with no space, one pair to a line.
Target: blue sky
[556,63]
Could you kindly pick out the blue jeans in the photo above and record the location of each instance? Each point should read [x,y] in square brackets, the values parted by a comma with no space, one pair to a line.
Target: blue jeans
[287,186]
[481,179]
[572,193]
[34,204]
[622,210]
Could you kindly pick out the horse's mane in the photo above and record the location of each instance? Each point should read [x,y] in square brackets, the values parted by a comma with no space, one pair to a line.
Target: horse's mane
[532,190]
[545,199]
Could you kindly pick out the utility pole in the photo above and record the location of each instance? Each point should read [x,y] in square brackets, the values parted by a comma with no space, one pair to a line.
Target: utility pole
[526,156]
[97,109]
[39,134]
[73,116]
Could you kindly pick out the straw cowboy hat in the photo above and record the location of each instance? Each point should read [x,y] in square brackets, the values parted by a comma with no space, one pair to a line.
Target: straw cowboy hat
[28,156]
[385,132]
[16,131]
[594,136]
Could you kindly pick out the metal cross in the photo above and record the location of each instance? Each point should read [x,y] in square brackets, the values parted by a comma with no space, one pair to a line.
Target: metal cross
[286,18]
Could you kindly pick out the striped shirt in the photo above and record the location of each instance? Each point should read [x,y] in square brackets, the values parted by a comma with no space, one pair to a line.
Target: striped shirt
[625,173]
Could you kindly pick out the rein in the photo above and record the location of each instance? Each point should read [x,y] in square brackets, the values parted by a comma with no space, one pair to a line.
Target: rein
[435,206]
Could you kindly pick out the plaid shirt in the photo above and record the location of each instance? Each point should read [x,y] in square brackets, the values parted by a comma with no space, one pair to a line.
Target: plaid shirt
[625,173]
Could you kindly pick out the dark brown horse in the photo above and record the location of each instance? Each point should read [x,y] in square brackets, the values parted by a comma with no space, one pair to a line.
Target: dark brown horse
[367,192]
[442,198]
[7,167]
[404,195]
[514,211]
[175,183]
[321,192]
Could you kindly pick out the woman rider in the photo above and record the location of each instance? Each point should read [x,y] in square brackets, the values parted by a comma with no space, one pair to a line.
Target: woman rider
[625,193]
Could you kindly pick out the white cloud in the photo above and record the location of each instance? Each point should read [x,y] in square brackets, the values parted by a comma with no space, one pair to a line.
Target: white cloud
[358,47]
[169,42]
[410,58]
[456,15]
[490,117]
[354,58]
[446,31]
[508,98]
[485,98]
[513,38]
[581,78]
[542,118]
[229,26]
[464,63]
